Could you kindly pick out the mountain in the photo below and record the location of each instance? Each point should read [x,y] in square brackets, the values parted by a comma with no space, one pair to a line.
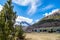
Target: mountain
[52,20]
[54,15]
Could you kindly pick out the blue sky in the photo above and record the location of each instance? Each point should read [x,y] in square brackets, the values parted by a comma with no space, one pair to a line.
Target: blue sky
[32,11]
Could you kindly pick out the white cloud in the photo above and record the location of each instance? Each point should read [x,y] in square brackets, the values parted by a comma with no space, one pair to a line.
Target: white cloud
[21,18]
[1,7]
[37,20]
[46,14]
[33,4]
[53,11]
[47,7]
[22,2]
[32,10]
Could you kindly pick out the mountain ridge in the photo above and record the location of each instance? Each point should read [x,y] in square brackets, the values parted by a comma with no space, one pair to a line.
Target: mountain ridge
[50,20]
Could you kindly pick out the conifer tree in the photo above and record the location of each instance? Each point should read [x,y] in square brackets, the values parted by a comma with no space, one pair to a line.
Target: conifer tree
[20,33]
[7,20]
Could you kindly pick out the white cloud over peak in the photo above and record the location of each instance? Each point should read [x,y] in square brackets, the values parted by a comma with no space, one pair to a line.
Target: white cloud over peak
[33,5]
[1,7]
[21,18]
[53,11]
[46,14]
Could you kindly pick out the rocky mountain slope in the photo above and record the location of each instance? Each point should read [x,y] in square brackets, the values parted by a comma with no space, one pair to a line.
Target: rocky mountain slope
[52,20]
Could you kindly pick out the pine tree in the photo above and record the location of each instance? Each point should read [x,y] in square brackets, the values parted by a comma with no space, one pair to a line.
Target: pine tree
[20,33]
[7,20]
[2,24]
